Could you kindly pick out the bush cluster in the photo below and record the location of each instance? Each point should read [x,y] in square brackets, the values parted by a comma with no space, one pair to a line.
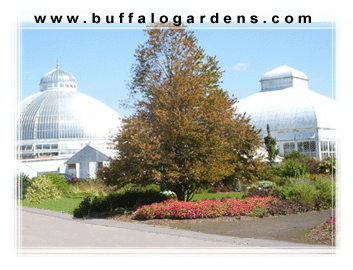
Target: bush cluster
[328,166]
[318,194]
[91,188]
[284,207]
[61,184]
[312,164]
[42,189]
[326,188]
[262,189]
[294,168]
[291,167]
[294,155]
[88,192]
[131,199]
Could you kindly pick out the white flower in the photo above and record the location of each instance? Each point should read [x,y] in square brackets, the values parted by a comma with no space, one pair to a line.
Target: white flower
[168,192]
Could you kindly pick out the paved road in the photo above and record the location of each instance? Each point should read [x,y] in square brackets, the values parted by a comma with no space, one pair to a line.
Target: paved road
[48,229]
[283,228]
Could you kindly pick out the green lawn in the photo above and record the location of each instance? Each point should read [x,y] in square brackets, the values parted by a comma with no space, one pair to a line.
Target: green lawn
[65,205]
[210,196]
[68,205]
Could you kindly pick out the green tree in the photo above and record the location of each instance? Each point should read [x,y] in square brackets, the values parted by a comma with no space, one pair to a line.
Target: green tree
[185,133]
[270,143]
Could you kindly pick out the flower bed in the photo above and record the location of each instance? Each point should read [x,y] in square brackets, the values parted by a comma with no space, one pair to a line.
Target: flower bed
[323,234]
[173,208]
[330,225]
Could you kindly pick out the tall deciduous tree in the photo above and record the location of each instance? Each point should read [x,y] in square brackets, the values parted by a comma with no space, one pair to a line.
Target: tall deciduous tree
[185,133]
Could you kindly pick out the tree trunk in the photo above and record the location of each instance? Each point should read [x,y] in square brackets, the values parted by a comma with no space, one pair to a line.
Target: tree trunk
[180,192]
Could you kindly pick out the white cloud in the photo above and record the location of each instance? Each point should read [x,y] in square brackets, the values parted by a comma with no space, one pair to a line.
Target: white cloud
[240,67]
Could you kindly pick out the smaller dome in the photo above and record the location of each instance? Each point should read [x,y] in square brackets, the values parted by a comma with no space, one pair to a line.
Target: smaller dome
[57,78]
[57,75]
[283,72]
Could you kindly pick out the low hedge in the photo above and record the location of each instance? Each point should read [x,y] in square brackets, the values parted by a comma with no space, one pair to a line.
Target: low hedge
[129,200]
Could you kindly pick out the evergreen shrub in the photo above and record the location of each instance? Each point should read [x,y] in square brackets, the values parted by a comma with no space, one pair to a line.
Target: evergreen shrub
[84,209]
[41,190]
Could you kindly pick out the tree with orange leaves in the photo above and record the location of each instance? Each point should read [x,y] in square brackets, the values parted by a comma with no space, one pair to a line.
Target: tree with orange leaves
[185,132]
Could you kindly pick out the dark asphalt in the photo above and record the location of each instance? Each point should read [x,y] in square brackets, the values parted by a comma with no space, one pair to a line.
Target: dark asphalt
[284,228]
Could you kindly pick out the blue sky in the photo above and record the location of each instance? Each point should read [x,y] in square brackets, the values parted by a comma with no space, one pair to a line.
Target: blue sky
[101,59]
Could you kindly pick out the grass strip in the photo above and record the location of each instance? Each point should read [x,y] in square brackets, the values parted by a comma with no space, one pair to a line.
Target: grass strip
[210,196]
[66,205]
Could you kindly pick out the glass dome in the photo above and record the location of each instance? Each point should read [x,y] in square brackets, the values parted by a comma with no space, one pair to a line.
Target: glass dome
[58,78]
[299,119]
[282,78]
[60,121]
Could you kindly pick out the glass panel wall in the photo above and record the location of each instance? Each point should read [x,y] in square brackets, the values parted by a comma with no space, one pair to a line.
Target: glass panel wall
[288,147]
[328,149]
[307,148]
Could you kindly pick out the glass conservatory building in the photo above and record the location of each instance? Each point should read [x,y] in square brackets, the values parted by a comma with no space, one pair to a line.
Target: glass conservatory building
[57,122]
[300,119]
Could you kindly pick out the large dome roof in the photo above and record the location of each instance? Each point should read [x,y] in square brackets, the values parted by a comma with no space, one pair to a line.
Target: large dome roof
[60,112]
[293,112]
[289,109]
